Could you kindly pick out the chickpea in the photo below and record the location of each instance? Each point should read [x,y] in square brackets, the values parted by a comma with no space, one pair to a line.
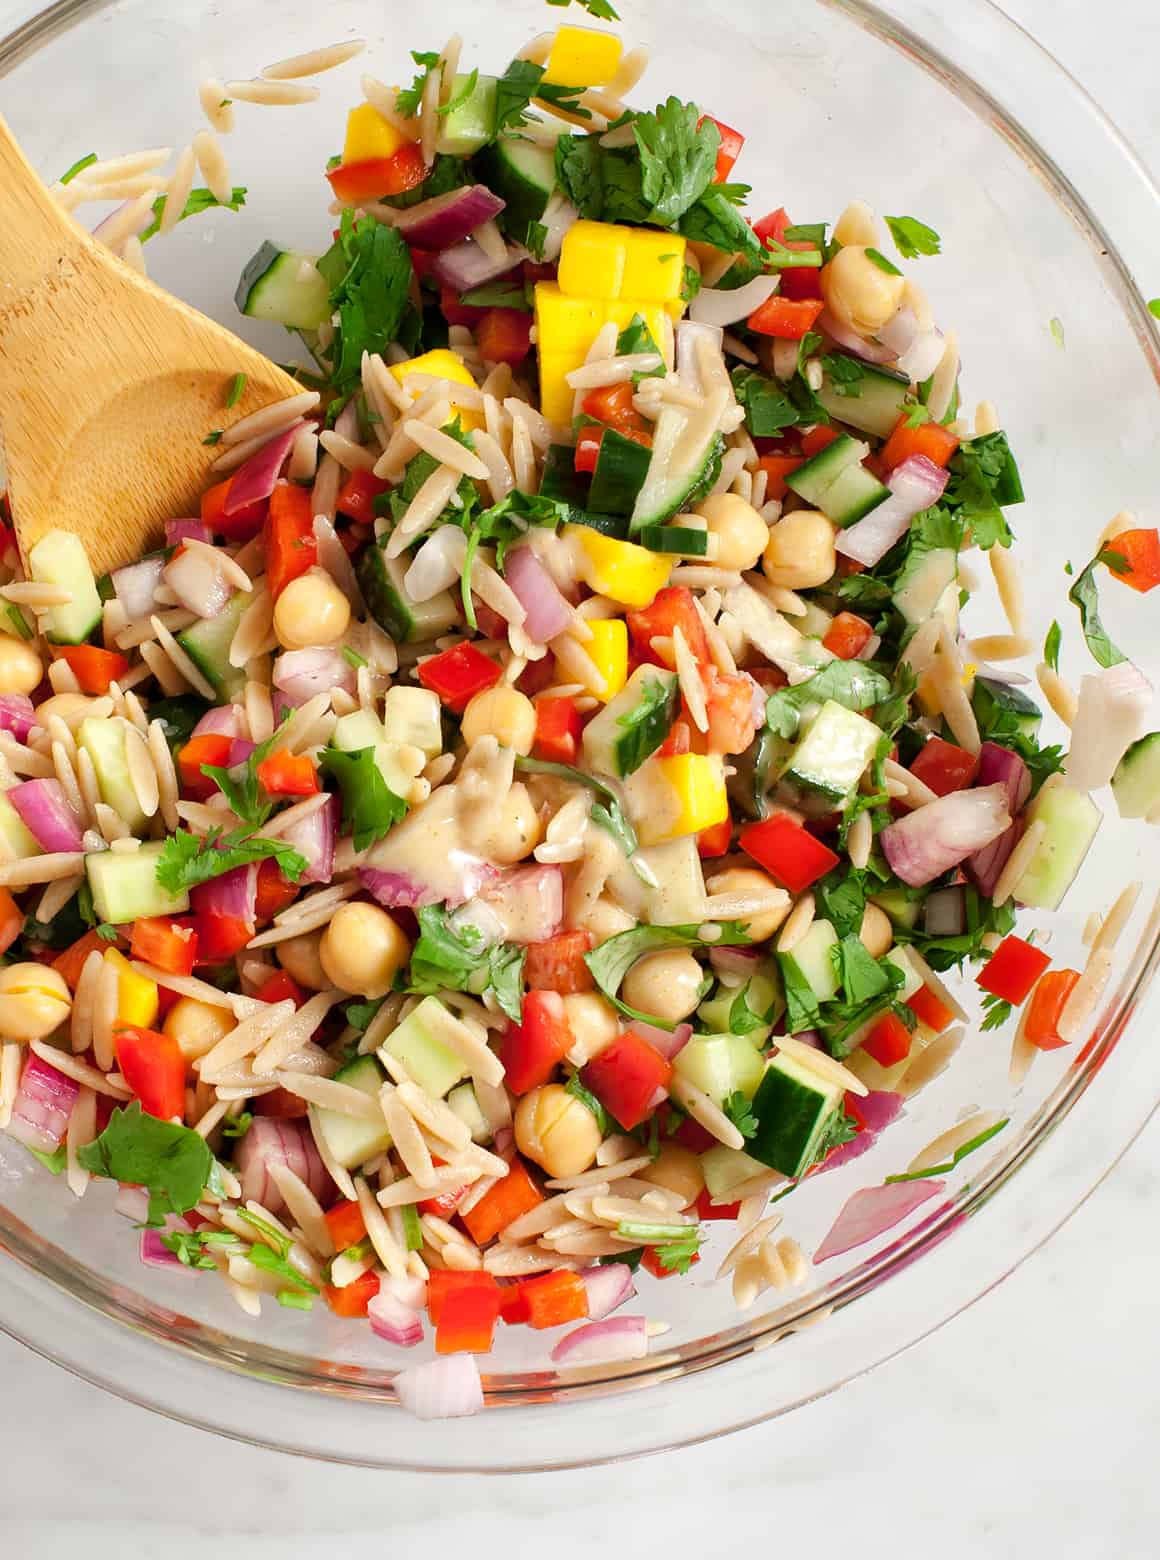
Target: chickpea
[21,669]
[748,880]
[298,956]
[856,225]
[876,932]
[557,1130]
[71,707]
[800,552]
[503,713]
[859,292]
[362,949]
[311,611]
[678,1170]
[740,531]
[197,1026]
[517,830]
[593,1023]
[666,984]
[34,1000]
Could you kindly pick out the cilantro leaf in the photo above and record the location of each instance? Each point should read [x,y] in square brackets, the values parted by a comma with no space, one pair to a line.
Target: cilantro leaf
[861,976]
[982,917]
[678,157]
[1154,308]
[173,1163]
[237,1126]
[997,1011]
[450,956]
[768,409]
[841,899]
[1085,595]
[1051,646]
[188,1246]
[913,238]
[600,9]
[691,284]
[956,1158]
[579,161]
[409,98]
[240,787]
[876,257]
[369,806]
[199,200]
[608,812]
[844,373]
[801,1005]
[55,1163]
[498,295]
[636,337]
[983,476]
[370,295]
[188,859]
[852,684]
[519,84]
[676,1256]
[576,1089]
[842,1129]
[739,1108]
[359,1014]
[714,219]
[611,962]
[457,99]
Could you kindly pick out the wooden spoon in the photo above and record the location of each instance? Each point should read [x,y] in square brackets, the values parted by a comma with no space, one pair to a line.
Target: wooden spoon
[108,385]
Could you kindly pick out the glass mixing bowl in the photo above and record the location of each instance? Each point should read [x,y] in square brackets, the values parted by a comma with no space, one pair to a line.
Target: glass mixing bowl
[951,114]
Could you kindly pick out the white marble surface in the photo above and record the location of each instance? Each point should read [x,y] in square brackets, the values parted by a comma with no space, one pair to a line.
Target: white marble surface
[1027,1427]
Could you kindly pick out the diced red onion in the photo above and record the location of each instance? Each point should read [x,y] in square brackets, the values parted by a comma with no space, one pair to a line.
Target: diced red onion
[301,674]
[667,1041]
[529,901]
[688,333]
[314,837]
[17,715]
[447,1388]
[841,335]
[224,720]
[724,306]
[178,531]
[999,766]
[154,1253]
[915,484]
[944,913]
[872,1211]
[132,1202]
[42,1106]
[257,478]
[404,891]
[548,614]
[444,220]
[136,585]
[878,1109]
[930,840]
[985,867]
[619,1338]
[1112,713]
[240,750]
[735,961]
[923,356]
[409,1291]
[607,1287]
[268,1141]
[231,894]
[392,1320]
[900,330]
[197,583]
[466,265]
[47,813]
[346,423]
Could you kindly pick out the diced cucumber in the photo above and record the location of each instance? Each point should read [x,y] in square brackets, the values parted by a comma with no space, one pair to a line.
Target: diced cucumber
[349,1139]
[720,1065]
[104,741]
[1136,782]
[352,733]
[631,727]
[523,175]
[750,1010]
[381,579]
[912,978]
[1072,819]
[816,476]
[621,468]
[855,493]
[794,1108]
[814,622]
[207,643]
[725,1169]
[881,401]
[463,1102]
[16,841]
[420,1043]
[810,960]
[922,580]
[832,754]
[412,716]
[686,458]
[59,558]
[124,885]
[286,286]
[902,910]
[471,123]
[680,539]
[560,480]
[989,698]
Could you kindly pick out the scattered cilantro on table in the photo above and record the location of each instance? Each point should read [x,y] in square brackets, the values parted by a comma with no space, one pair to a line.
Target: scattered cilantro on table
[913,238]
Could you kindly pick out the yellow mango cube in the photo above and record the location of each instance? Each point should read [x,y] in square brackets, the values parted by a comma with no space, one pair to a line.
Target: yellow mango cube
[622,571]
[608,260]
[565,329]
[608,649]
[583,57]
[137,1002]
[370,136]
[442,363]
[697,781]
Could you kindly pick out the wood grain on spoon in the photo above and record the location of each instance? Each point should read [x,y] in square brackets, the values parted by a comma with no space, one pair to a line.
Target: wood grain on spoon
[108,385]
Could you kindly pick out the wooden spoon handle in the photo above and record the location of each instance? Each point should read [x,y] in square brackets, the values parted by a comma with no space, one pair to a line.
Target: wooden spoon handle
[35,234]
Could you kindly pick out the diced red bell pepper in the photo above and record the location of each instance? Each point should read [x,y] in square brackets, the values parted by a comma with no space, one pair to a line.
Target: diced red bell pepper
[612,405]
[93,668]
[281,987]
[456,313]
[555,1298]
[458,674]
[356,496]
[787,851]
[467,1321]
[282,1105]
[504,336]
[289,537]
[789,318]
[847,636]
[283,773]
[672,607]
[558,727]
[353,1298]
[816,439]
[587,451]
[652,1263]
[715,840]
[729,704]
[557,964]
[346,1224]
[507,1201]
[532,1049]
[888,1041]
[1140,550]
[930,439]
[772,226]
[12,923]
[71,962]
[242,525]
[729,150]
[777,468]
[930,1009]
[513,1304]
[944,767]
[801,281]
[423,261]
[1047,1003]
[706,1208]
[212,748]
[274,892]
[219,937]
[629,1078]
[153,1066]
[1012,970]
[357,182]
[446,1203]
[442,1282]
[166,944]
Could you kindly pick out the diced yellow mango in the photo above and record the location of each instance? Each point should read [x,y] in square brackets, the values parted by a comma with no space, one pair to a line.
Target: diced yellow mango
[137,1002]
[608,260]
[565,329]
[442,363]
[583,57]
[622,571]
[654,265]
[622,311]
[608,649]
[369,135]
[698,784]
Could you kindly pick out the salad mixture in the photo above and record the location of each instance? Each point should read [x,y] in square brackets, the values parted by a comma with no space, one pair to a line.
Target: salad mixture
[527,814]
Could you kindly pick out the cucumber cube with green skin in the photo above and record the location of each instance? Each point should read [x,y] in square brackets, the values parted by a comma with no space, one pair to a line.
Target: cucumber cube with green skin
[725,1169]
[1072,819]
[881,400]
[104,741]
[381,580]
[471,123]
[814,477]
[124,885]
[991,699]
[59,558]
[421,1045]
[361,729]
[686,457]
[922,582]
[720,1065]
[755,1007]
[462,1100]
[207,643]
[794,1108]
[284,285]
[633,725]
[902,910]
[911,976]
[16,839]
[1136,782]
[621,468]
[412,716]
[855,493]
[810,959]
[833,752]
[523,175]
[350,1140]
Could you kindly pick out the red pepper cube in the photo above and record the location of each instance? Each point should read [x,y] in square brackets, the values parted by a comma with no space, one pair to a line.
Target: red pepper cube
[788,852]
[930,1009]
[504,336]
[944,767]
[165,943]
[443,1282]
[458,674]
[847,636]
[291,549]
[555,1298]
[558,728]
[715,840]
[356,496]
[672,607]
[889,1041]
[467,1321]
[532,1049]
[557,964]
[153,1066]
[788,318]
[1012,970]
[513,1304]
[1047,1004]
[706,1208]
[1140,551]
[652,1263]
[210,748]
[353,1298]
[629,1078]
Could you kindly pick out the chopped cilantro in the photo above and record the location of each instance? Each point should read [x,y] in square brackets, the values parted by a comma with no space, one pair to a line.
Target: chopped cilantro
[369,806]
[844,373]
[451,956]
[240,785]
[535,238]
[498,295]
[237,1126]
[577,1090]
[519,84]
[213,436]
[199,200]
[1055,326]
[916,415]
[188,859]
[860,974]
[408,100]
[1085,595]
[352,657]
[1051,646]
[739,1108]
[173,1163]
[768,409]
[983,476]
[883,264]
[677,1255]
[714,219]
[912,237]
[841,899]
[359,1014]
[457,99]
[611,962]
[678,155]
[997,1012]
[369,268]
[236,390]
[412,1229]
[852,684]
[801,1005]
[690,284]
